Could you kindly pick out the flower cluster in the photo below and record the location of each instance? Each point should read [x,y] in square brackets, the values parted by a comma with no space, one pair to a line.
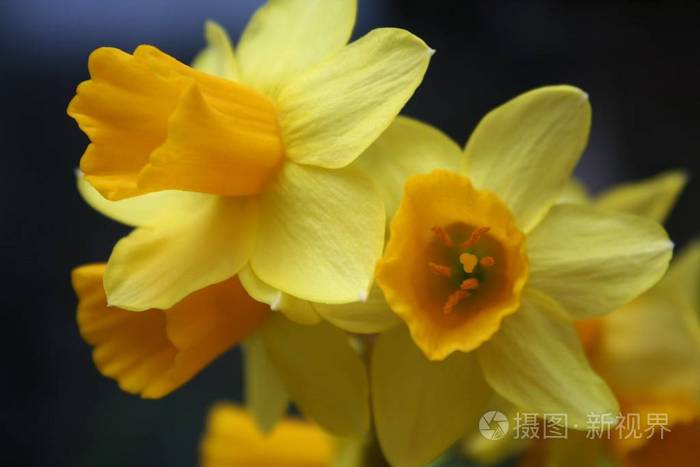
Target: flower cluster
[391,285]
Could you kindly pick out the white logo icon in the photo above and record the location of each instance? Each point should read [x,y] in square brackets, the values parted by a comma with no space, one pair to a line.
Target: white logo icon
[493,425]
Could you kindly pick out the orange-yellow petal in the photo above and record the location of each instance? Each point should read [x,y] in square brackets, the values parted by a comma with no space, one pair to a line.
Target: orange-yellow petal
[157,124]
[233,440]
[152,353]
[678,448]
[679,416]
[439,322]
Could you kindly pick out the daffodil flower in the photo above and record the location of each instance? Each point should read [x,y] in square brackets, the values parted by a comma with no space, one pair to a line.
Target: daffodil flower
[233,440]
[488,273]
[257,154]
[648,351]
[649,354]
[154,352]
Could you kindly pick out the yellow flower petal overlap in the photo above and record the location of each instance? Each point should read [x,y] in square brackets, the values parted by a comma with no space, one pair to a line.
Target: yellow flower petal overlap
[272,125]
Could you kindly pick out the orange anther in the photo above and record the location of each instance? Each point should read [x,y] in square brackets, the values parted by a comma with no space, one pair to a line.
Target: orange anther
[453,300]
[440,270]
[469,284]
[475,236]
[443,236]
[487,261]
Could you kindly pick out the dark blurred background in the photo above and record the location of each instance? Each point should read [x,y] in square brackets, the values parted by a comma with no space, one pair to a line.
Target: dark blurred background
[638,61]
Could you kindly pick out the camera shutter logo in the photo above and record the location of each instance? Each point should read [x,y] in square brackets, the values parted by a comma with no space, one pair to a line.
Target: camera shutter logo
[493,425]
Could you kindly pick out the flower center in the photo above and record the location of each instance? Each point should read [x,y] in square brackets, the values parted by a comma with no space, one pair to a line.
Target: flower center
[470,269]
[471,262]
[455,264]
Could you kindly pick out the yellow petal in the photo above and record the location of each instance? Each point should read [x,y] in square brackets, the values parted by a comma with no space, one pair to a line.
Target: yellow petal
[232,440]
[593,261]
[286,37]
[536,362]
[368,316]
[325,377]
[155,352]
[526,149]
[265,394]
[408,147]
[683,278]
[332,113]
[157,266]
[320,233]
[574,192]
[217,57]
[422,407]
[146,209]
[653,198]
[157,124]
[257,288]
[298,310]
[656,332]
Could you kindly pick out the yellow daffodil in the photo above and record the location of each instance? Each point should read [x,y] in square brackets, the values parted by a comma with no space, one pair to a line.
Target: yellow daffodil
[250,154]
[648,352]
[488,273]
[232,440]
[154,352]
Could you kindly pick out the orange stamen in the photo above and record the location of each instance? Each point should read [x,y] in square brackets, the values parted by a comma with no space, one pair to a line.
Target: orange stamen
[443,236]
[469,284]
[475,236]
[440,270]
[487,261]
[453,300]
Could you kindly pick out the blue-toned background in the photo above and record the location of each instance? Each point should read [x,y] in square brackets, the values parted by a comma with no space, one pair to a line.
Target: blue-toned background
[639,62]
